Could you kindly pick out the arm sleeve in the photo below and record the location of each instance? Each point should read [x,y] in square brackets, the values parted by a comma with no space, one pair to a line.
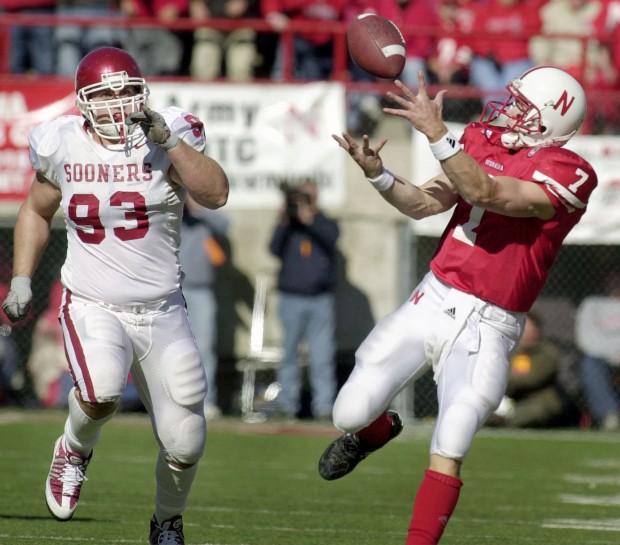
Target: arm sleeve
[276,245]
[325,231]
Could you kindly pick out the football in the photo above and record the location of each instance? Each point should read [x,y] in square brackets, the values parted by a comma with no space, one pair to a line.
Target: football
[376,45]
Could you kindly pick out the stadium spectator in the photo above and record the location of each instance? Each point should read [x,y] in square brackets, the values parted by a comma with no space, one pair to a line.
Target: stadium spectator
[73,42]
[420,45]
[533,395]
[450,62]
[218,52]
[160,51]
[501,30]
[30,46]
[122,307]
[304,241]
[597,333]
[609,25]
[312,51]
[203,232]
[578,18]
[466,316]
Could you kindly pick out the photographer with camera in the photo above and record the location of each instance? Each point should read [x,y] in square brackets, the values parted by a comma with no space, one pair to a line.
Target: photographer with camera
[305,242]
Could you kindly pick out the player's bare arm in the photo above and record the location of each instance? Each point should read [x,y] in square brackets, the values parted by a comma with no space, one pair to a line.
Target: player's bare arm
[435,196]
[504,195]
[33,225]
[202,176]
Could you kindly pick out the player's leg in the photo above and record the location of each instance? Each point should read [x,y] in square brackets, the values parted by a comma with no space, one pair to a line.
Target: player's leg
[240,54]
[470,386]
[171,380]
[206,62]
[99,356]
[391,357]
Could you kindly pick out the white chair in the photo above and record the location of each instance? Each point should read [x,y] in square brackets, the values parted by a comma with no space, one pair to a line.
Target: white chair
[263,355]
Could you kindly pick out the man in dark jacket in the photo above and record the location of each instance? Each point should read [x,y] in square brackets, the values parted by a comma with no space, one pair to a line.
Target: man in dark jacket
[305,242]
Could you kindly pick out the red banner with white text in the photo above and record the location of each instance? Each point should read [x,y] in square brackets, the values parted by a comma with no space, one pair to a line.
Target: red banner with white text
[24,104]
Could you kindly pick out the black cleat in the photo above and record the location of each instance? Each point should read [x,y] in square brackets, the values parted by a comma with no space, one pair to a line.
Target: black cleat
[341,456]
[169,532]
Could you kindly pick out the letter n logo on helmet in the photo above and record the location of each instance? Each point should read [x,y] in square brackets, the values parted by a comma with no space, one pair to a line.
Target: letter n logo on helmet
[564,103]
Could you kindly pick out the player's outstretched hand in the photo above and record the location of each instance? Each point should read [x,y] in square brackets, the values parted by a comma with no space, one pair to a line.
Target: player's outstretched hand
[17,302]
[155,128]
[366,157]
[424,114]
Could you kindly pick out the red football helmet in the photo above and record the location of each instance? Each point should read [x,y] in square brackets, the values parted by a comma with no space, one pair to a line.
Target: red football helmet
[116,71]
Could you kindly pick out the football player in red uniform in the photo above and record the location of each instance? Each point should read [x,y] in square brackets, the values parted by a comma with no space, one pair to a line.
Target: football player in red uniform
[516,194]
[120,173]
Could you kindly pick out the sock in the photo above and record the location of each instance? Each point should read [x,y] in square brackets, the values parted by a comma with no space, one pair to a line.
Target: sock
[173,486]
[432,508]
[81,431]
[378,432]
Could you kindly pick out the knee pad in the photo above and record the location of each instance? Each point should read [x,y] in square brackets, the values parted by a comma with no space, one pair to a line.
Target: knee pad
[183,440]
[183,374]
[352,409]
[456,430]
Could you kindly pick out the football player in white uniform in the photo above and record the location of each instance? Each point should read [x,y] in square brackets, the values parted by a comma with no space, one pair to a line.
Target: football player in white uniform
[120,173]
[515,193]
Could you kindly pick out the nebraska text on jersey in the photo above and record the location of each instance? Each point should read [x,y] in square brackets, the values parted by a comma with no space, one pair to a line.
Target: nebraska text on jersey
[502,259]
[122,210]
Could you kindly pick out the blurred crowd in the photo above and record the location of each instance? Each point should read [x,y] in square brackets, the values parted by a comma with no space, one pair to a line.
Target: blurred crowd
[478,43]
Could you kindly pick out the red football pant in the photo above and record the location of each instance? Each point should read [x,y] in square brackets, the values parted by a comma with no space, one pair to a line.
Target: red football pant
[433,507]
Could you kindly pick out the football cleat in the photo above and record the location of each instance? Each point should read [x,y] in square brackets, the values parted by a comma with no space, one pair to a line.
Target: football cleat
[64,481]
[169,532]
[342,456]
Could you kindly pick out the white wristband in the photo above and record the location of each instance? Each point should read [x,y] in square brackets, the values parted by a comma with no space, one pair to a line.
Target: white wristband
[384,181]
[447,146]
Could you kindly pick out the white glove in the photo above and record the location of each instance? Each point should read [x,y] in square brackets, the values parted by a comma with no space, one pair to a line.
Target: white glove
[17,302]
[155,128]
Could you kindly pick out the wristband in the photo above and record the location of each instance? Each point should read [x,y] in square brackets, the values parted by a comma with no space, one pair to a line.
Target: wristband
[447,146]
[172,142]
[20,283]
[384,181]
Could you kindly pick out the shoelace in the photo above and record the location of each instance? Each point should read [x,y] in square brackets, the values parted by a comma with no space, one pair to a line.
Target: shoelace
[71,477]
[168,537]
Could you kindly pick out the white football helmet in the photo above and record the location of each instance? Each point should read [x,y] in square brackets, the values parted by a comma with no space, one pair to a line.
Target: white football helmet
[546,106]
[115,70]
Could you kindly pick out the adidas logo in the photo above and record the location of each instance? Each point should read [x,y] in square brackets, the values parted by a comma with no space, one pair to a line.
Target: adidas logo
[452,142]
[450,312]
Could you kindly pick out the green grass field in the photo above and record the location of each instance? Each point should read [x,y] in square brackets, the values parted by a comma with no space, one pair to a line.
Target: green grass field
[258,485]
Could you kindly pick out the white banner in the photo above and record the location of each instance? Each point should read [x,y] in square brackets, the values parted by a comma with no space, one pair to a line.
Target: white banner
[263,135]
[601,222]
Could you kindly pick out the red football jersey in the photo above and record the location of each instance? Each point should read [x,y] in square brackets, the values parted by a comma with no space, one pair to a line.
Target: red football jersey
[506,260]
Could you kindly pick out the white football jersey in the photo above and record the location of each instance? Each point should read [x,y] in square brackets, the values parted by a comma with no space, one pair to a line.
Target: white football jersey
[121,209]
